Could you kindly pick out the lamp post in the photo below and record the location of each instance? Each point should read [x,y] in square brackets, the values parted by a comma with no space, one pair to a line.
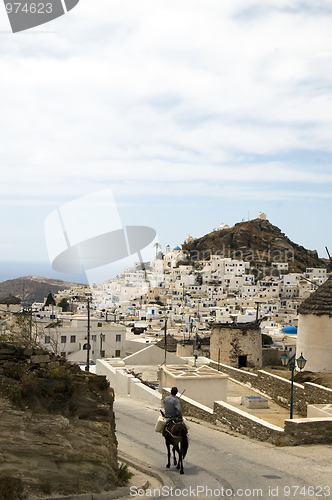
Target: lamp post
[87,368]
[292,363]
[88,300]
[101,345]
[165,337]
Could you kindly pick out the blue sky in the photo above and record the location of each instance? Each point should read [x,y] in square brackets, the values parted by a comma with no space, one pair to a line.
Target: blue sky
[193,113]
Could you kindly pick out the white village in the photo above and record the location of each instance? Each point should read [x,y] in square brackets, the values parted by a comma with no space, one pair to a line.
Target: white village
[222,333]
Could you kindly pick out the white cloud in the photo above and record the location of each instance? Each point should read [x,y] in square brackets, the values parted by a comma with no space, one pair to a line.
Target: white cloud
[166,92]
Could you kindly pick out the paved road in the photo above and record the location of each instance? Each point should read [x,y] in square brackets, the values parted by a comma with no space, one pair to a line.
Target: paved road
[230,466]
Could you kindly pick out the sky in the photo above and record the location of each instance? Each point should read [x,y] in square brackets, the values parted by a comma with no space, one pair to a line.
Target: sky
[192,113]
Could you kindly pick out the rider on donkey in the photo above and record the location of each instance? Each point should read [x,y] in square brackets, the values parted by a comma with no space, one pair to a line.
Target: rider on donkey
[172,405]
[175,431]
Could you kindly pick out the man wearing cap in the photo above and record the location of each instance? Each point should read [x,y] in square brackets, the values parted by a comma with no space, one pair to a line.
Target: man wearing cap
[172,405]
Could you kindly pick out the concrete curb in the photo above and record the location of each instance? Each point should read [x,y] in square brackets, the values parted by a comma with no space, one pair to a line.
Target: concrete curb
[146,469]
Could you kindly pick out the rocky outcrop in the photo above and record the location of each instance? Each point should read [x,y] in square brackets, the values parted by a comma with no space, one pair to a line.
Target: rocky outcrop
[57,433]
[256,241]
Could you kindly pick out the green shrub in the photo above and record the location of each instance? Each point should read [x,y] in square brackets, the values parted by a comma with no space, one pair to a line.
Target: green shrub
[124,474]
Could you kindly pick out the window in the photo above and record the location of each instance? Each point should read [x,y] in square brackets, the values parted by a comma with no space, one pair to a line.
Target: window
[63,339]
[73,338]
[94,338]
[118,338]
[47,339]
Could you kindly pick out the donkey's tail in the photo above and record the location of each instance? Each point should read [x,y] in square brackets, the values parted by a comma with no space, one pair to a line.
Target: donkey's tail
[184,444]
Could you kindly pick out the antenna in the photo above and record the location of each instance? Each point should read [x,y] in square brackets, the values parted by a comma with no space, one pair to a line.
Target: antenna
[328,253]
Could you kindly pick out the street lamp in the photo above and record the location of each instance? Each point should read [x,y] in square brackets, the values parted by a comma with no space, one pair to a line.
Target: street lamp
[195,357]
[292,363]
[88,300]
[101,344]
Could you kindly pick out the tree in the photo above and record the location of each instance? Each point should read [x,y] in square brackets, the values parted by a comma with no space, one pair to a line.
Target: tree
[64,304]
[25,329]
[266,339]
[50,301]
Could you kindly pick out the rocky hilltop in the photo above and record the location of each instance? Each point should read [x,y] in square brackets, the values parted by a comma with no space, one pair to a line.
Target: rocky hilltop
[256,241]
[57,433]
[32,288]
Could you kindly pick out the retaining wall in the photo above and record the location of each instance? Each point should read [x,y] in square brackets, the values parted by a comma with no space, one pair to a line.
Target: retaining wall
[242,376]
[295,432]
[317,394]
[308,431]
[247,424]
[125,384]
[278,388]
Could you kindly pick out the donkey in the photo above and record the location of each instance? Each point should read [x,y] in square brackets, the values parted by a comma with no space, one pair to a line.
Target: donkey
[176,435]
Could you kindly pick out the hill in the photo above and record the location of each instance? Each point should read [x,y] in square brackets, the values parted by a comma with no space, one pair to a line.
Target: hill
[32,288]
[256,241]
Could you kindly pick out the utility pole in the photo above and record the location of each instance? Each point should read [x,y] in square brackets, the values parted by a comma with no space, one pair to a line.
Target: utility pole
[101,345]
[30,324]
[257,310]
[195,352]
[87,368]
[165,332]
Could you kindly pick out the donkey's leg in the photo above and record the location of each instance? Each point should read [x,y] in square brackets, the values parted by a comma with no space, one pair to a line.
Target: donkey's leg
[180,461]
[179,453]
[168,454]
[174,457]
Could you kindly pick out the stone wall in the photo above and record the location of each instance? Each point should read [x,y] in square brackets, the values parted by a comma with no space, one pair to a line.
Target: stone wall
[271,356]
[317,394]
[231,343]
[308,431]
[235,373]
[247,424]
[278,388]
[296,432]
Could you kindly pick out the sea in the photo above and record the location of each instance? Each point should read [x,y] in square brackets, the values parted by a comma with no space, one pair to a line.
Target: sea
[17,269]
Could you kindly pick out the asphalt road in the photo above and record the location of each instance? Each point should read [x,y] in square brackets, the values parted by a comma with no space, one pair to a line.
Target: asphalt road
[219,465]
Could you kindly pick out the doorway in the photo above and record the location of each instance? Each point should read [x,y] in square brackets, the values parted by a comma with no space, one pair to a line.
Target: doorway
[243,361]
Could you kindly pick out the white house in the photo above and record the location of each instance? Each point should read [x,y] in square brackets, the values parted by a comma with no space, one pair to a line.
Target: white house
[69,338]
